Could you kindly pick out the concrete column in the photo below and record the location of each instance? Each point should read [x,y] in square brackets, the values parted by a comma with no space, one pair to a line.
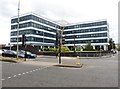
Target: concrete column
[93,46]
[105,47]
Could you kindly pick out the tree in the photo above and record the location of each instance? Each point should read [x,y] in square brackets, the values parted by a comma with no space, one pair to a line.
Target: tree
[88,47]
[111,44]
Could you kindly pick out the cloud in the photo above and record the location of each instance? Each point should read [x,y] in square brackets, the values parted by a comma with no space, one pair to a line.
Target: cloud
[6,8]
[70,10]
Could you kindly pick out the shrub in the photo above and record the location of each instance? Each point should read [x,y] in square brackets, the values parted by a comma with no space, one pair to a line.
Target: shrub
[88,47]
[65,49]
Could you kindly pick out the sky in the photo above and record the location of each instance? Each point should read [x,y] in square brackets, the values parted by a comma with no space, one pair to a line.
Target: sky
[72,11]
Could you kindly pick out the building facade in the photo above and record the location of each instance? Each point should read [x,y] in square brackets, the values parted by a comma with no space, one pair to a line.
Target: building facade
[39,31]
[42,32]
[94,32]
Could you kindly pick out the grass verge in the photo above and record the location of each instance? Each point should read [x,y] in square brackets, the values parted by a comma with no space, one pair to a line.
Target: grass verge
[11,59]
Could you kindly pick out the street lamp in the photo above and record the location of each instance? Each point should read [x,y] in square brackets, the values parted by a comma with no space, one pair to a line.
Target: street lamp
[18,28]
[74,45]
[43,41]
[60,43]
[9,45]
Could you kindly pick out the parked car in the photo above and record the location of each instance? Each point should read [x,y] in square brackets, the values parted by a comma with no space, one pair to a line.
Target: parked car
[21,54]
[1,52]
[26,54]
[9,53]
[113,51]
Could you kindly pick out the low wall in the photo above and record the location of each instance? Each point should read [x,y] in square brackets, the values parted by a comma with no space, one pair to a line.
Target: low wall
[72,54]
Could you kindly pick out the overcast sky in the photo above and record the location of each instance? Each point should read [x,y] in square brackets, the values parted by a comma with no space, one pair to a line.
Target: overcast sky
[70,10]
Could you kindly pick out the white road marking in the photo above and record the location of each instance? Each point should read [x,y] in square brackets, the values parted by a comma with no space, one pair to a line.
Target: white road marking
[27,72]
[30,71]
[19,74]
[14,75]
[2,79]
[23,73]
[9,77]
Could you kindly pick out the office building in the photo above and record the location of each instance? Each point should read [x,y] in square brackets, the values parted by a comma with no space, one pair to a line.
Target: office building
[94,32]
[41,32]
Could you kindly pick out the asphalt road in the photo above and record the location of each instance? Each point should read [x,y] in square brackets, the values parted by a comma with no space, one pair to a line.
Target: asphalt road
[100,72]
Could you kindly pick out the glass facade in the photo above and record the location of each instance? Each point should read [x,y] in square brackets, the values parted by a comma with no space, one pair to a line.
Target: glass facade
[35,18]
[87,36]
[87,25]
[35,25]
[33,39]
[33,32]
[87,41]
[79,32]
[24,25]
[89,30]
[98,29]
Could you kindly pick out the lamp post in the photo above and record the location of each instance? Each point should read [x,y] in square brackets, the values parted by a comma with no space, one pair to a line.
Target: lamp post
[60,43]
[18,28]
[74,45]
[9,45]
[43,41]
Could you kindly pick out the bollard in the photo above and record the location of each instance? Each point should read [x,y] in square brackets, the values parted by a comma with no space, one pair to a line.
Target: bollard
[78,60]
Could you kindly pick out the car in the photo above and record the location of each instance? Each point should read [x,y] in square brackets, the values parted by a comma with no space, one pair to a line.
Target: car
[1,52]
[113,51]
[26,54]
[9,53]
[21,55]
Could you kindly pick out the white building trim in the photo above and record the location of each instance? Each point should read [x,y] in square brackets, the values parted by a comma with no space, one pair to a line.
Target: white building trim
[22,22]
[31,42]
[86,28]
[86,44]
[86,33]
[33,29]
[86,38]
[28,35]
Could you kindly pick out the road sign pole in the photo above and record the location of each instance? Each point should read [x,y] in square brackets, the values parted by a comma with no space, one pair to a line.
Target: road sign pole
[59,54]
[100,50]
